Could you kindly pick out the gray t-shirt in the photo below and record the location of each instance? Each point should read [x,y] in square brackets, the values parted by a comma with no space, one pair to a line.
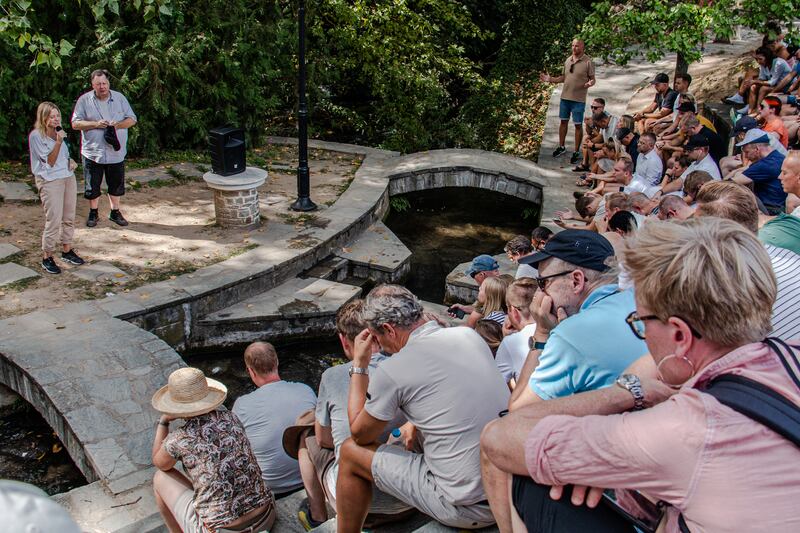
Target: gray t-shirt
[265,414]
[334,388]
[446,383]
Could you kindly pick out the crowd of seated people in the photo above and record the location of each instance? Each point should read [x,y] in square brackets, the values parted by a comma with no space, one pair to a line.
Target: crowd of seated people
[573,396]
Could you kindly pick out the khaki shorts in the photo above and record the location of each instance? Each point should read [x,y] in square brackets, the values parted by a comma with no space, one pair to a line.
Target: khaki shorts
[322,459]
[187,518]
[404,475]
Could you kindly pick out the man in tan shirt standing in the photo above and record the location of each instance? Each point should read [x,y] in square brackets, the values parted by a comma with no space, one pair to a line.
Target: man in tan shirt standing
[577,77]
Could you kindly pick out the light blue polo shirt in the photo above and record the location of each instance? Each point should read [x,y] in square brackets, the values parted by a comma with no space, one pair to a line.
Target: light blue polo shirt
[590,349]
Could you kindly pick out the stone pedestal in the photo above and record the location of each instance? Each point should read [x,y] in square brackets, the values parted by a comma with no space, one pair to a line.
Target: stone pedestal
[236,197]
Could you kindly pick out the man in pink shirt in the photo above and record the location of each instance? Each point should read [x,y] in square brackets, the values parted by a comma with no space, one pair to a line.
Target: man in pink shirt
[716,468]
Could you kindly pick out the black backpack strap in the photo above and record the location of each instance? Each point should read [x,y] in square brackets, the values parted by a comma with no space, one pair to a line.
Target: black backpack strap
[682,524]
[758,402]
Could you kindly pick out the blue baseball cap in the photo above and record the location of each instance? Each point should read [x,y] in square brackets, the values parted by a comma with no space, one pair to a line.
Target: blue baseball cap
[482,263]
[578,247]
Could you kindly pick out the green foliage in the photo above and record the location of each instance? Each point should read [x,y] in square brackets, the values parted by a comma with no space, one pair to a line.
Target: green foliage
[400,204]
[620,30]
[406,75]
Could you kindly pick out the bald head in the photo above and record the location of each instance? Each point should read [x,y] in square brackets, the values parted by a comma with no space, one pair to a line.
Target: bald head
[790,173]
[261,358]
[578,47]
[674,207]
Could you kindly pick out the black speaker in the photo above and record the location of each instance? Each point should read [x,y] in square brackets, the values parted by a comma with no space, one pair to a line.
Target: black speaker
[227,150]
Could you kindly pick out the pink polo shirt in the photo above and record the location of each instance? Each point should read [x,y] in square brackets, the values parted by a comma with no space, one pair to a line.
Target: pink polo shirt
[724,471]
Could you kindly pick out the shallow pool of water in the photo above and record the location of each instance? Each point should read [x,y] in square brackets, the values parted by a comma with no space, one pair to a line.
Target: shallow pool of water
[446,227]
[31,452]
[303,362]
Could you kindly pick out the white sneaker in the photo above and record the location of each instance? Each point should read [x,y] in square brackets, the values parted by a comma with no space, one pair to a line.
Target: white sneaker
[735,99]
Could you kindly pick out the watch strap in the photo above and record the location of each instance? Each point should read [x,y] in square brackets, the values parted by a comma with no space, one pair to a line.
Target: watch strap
[358,370]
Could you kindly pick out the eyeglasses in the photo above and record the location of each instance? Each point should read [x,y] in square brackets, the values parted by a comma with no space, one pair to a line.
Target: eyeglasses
[542,281]
[595,106]
[637,326]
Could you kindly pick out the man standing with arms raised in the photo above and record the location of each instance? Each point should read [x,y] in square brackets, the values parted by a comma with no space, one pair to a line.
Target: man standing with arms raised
[103,117]
[578,76]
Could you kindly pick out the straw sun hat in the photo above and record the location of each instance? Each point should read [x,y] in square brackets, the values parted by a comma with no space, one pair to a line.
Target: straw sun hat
[189,393]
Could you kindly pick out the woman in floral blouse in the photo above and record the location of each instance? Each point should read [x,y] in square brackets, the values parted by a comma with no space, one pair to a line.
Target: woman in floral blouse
[224,490]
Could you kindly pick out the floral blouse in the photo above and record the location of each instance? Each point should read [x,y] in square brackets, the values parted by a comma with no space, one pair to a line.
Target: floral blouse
[218,459]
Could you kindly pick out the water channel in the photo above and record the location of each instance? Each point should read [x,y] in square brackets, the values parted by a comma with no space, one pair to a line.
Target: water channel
[442,228]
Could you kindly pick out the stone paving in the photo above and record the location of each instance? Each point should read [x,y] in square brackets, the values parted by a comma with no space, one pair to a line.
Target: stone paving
[17,191]
[13,273]
[8,250]
[101,271]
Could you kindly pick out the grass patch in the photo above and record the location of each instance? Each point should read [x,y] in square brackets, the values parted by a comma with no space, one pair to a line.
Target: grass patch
[20,285]
[14,170]
[243,249]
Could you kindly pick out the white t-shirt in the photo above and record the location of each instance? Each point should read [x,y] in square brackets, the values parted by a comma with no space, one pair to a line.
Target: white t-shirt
[526,271]
[707,164]
[796,212]
[637,184]
[786,310]
[513,351]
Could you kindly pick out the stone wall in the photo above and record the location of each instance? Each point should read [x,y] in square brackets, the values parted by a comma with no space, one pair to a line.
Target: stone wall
[237,209]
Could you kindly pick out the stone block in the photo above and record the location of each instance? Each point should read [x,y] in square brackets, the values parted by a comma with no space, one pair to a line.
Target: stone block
[13,273]
[100,271]
[109,459]
[92,421]
[130,481]
[17,191]
[105,391]
[7,250]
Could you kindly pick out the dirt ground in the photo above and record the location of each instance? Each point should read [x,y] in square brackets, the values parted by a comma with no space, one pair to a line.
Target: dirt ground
[172,229]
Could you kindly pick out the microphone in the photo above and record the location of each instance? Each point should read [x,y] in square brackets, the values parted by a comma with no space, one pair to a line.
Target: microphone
[59,128]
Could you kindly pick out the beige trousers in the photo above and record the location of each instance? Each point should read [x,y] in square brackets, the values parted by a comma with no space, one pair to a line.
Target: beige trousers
[58,200]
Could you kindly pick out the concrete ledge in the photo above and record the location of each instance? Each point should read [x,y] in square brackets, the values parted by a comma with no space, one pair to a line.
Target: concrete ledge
[460,288]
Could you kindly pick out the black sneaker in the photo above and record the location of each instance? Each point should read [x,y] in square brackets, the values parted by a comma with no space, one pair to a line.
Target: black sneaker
[116,217]
[91,220]
[558,151]
[576,156]
[72,258]
[49,265]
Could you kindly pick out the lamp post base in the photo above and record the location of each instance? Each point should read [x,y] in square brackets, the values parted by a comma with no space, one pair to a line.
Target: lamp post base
[303,203]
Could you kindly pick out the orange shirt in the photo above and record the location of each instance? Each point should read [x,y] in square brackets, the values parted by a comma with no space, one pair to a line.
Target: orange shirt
[775,124]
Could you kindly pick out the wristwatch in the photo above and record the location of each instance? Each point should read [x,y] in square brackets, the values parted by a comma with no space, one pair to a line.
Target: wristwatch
[533,345]
[357,370]
[631,383]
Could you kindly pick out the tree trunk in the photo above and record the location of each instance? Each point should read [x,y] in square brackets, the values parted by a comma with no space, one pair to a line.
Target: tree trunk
[681,66]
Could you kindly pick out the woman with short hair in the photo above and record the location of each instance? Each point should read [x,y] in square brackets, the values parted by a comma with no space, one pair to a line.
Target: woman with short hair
[54,174]
[704,296]
[223,490]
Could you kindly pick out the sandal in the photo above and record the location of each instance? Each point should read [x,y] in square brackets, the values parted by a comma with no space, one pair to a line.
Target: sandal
[581,168]
[304,515]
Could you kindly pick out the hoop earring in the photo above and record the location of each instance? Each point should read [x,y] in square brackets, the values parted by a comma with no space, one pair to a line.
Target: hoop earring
[661,375]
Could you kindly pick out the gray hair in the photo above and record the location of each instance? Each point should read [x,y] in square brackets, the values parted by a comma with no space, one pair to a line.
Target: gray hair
[392,304]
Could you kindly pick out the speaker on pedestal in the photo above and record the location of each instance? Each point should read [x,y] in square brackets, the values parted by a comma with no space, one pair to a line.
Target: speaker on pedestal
[227,150]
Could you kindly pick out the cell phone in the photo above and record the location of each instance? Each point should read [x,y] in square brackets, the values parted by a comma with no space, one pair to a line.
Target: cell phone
[456,311]
[557,220]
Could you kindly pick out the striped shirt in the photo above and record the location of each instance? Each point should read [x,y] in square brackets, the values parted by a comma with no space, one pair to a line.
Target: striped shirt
[786,311]
[497,316]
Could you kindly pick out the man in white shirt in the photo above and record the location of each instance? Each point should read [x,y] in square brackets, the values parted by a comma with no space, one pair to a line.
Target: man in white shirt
[649,167]
[513,350]
[696,149]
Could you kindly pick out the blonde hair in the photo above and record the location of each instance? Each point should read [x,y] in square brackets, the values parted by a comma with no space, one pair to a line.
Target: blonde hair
[726,199]
[520,294]
[43,115]
[494,291]
[710,272]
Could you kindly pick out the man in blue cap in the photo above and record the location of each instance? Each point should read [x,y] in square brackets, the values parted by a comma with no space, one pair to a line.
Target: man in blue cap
[482,267]
[582,341]
[762,174]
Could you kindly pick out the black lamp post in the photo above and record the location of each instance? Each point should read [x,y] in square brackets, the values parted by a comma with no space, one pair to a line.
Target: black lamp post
[303,202]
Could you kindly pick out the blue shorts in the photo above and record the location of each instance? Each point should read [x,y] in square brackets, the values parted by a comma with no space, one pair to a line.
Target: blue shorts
[576,109]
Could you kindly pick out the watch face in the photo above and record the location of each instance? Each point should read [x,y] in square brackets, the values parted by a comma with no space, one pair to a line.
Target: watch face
[531,343]
[626,380]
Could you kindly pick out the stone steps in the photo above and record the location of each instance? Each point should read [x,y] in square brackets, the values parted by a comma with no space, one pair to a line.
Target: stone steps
[378,255]
[297,307]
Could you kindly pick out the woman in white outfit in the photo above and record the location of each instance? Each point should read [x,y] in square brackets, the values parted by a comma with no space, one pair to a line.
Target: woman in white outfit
[54,173]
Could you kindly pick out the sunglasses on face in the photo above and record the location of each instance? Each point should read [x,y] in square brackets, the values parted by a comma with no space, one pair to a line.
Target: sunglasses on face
[637,324]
